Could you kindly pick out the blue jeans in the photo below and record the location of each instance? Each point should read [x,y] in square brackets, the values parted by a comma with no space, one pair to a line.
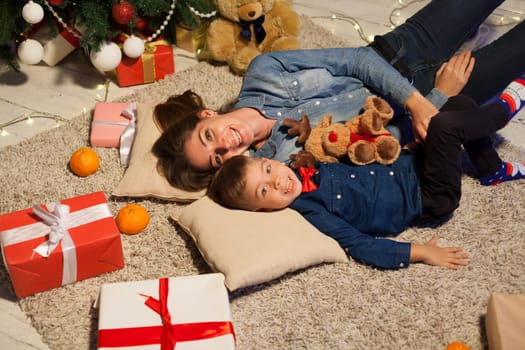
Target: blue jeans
[430,37]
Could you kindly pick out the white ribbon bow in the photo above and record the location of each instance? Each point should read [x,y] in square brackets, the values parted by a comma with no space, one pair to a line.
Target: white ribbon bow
[128,135]
[55,224]
[57,218]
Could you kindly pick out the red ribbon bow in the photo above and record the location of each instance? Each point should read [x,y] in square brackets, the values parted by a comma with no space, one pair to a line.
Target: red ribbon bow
[168,335]
[306,174]
[366,137]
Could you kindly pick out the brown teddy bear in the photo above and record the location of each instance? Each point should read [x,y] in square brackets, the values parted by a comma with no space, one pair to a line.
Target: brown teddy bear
[363,138]
[245,29]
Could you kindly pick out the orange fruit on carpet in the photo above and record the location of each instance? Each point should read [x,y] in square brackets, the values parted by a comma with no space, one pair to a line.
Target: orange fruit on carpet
[132,219]
[457,345]
[84,162]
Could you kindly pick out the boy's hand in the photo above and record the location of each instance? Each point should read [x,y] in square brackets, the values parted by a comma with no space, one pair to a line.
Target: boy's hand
[453,75]
[430,253]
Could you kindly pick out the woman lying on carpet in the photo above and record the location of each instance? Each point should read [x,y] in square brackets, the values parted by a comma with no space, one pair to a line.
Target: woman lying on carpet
[336,81]
[356,205]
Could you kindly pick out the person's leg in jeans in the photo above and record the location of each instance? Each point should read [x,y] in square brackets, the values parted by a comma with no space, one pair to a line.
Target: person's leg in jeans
[430,37]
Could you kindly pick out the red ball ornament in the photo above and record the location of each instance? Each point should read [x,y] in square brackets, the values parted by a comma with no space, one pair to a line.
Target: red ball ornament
[56,2]
[123,12]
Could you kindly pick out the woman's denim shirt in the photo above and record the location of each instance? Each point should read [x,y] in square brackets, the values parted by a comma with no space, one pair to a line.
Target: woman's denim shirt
[289,84]
[360,205]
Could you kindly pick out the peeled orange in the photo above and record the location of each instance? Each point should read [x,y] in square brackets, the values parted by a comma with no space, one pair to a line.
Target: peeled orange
[84,162]
[132,219]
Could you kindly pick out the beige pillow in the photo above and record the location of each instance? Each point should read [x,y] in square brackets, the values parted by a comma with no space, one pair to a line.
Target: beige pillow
[254,247]
[141,178]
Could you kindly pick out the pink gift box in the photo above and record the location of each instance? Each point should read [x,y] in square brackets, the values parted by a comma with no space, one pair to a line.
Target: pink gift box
[188,312]
[108,124]
[87,243]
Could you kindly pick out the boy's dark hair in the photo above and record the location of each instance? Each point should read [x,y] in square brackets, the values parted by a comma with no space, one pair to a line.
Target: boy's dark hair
[229,182]
[177,118]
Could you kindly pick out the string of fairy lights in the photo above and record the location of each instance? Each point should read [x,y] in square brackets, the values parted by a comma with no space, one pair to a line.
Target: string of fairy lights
[500,17]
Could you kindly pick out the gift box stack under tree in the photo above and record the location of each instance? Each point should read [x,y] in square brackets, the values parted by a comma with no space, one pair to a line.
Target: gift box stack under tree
[189,312]
[49,246]
[155,63]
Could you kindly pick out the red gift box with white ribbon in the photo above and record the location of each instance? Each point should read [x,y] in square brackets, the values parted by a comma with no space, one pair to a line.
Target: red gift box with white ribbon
[188,312]
[52,245]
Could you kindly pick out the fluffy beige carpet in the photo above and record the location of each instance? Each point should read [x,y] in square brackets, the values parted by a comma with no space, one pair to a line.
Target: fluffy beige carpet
[336,306]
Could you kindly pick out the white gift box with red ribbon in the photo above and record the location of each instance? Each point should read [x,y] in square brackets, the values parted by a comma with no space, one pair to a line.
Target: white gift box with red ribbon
[58,47]
[185,313]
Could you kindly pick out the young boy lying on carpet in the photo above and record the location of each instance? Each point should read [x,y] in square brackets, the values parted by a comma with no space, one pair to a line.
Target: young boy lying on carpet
[359,206]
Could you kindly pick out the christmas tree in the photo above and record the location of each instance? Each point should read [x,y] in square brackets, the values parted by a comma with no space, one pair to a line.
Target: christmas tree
[98,20]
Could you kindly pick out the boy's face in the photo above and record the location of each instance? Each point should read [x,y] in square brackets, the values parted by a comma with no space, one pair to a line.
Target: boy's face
[270,184]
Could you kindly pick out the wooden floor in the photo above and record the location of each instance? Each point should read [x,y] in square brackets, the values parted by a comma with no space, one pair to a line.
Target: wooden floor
[74,86]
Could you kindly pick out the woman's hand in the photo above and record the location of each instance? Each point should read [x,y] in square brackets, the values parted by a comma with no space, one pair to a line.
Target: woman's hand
[430,253]
[453,75]
[422,111]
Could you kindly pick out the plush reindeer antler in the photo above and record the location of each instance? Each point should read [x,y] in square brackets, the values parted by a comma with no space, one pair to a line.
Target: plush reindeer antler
[301,128]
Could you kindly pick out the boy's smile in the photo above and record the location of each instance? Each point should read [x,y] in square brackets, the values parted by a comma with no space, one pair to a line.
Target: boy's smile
[271,184]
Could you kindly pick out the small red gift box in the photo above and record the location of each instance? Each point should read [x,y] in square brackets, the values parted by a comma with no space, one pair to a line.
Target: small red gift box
[154,64]
[190,312]
[108,123]
[45,247]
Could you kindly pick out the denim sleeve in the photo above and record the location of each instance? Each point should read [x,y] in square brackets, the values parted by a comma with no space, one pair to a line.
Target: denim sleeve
[377,252]
[362,63]
[437,98]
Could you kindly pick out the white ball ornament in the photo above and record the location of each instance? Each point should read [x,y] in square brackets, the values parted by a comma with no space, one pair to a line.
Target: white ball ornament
[133,47]
[32,12]
[30,51]
[107,57]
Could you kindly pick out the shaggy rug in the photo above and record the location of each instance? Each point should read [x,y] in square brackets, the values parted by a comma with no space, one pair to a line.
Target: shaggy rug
[332,306]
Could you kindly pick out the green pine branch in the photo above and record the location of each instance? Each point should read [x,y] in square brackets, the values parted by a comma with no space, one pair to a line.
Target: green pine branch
[94,17]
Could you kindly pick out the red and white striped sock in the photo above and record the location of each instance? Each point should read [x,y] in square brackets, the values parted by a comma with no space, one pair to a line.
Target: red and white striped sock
[513,97]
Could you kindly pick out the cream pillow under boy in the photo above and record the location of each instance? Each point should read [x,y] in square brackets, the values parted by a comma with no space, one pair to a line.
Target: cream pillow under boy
[250,248]
[142,178]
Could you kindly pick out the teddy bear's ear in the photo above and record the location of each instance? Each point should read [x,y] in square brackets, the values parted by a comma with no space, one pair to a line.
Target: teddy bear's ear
[325,122]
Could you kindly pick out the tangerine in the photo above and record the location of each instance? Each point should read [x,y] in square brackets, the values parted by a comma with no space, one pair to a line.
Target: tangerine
[457,345]
[84,162]
[132,219]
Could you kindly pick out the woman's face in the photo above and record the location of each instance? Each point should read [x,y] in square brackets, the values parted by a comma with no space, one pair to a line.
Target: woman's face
[216,138]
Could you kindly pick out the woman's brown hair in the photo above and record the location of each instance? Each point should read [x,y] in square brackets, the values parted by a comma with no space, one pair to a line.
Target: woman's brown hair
[177,118]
